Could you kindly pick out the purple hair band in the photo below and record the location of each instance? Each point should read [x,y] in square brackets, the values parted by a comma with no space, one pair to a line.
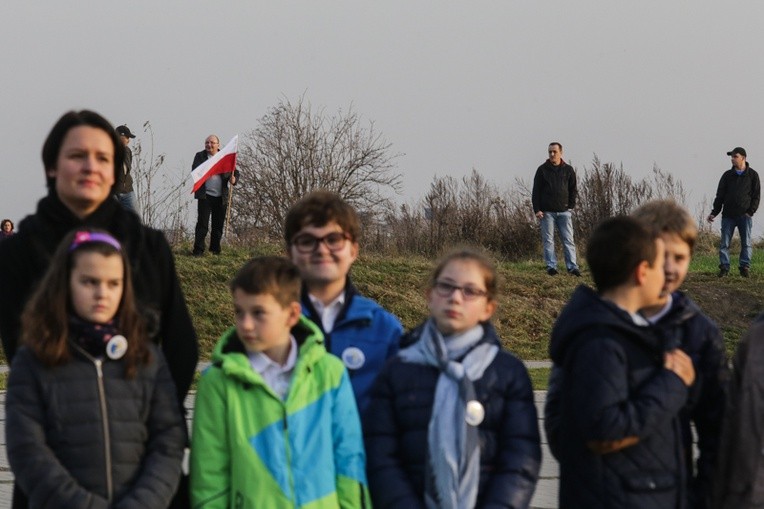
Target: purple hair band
[87,237]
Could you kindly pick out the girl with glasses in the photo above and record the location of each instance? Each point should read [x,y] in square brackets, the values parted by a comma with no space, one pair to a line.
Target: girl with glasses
[452,422]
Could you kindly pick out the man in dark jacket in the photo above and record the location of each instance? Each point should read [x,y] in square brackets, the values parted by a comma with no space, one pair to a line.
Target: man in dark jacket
[617,435]
[211,199]
[123,185]
[554,197]
[737,197]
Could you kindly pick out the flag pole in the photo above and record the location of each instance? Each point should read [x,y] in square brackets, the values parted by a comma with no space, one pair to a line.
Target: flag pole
[228,209]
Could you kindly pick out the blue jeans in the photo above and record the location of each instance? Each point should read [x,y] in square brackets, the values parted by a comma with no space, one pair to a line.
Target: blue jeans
[743,224]
[564,223]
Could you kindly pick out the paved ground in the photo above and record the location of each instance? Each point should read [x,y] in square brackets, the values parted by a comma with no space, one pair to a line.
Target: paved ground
[545,497]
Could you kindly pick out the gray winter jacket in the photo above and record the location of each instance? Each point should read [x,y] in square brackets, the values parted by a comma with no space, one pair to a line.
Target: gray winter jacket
[82,435]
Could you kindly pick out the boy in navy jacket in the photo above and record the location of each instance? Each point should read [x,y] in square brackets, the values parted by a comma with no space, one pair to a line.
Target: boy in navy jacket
[614,422]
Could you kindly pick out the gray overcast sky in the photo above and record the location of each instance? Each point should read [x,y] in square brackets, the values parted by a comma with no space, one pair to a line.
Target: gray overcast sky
[452,85]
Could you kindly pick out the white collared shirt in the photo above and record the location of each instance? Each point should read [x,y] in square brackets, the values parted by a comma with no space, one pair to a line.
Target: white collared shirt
[663,312]
[329,312]
[276,376]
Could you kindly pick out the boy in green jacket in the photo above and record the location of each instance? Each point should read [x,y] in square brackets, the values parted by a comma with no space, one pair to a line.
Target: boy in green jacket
[275,422]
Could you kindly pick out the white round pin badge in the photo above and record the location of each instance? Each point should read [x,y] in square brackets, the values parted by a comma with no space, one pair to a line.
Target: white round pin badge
[475,413]
[353,357]
[116,347]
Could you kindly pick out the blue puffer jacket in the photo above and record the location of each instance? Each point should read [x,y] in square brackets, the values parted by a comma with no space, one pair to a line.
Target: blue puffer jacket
[686,327]
[395,431]
[362,325]
[615,391]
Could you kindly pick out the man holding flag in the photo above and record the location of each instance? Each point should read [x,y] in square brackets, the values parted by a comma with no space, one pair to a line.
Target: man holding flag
[211,171]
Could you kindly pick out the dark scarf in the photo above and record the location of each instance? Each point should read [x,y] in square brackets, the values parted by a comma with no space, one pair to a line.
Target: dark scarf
[91,337]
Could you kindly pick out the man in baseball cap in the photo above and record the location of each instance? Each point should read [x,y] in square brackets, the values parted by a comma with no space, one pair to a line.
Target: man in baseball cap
[737,197]
[123,181]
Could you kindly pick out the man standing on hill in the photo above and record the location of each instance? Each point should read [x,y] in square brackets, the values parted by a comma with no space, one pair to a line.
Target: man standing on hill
[737,197]
[553,198]
[212,199]
[123,182]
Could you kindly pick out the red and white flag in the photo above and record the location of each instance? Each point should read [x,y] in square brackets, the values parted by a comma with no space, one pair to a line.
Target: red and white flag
[222,162]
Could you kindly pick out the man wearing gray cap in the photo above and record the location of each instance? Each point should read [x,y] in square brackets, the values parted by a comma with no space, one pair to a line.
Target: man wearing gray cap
[737,197]
[123,181]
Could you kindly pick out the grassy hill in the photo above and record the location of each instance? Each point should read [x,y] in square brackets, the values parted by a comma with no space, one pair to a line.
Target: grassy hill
[529,303]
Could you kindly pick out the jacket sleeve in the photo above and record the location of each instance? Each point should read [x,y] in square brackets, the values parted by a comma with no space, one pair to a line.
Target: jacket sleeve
[349,456]
[572,189]
[538,182]
[518,462]
[17,281]
[390,486]
[210,448]
[199,158]
[610,410]
[553,411]
[708,413]
[721,192]
[755,194]
[36,468]
[178,337]
[161,465]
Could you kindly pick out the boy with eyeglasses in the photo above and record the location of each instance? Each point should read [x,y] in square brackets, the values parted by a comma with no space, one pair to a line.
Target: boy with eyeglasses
[321,233]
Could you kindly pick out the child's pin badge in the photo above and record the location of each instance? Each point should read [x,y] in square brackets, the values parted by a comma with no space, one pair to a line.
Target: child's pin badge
[116,347]
[475,413]
[353,357]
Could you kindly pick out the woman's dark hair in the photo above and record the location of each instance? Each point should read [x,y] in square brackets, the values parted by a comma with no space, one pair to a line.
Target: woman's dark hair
[52,145]
[2,223]
[45,320]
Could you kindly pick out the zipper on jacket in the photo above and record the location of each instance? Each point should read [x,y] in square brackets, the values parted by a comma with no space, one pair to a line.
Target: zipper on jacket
[105,423]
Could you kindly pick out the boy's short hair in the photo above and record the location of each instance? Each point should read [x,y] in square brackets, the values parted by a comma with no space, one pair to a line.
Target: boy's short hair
[667,216]
[616,247]
[318,208]
[271,275]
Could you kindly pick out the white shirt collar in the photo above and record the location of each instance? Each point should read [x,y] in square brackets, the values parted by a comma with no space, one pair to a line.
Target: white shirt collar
[277,376]
[328,312]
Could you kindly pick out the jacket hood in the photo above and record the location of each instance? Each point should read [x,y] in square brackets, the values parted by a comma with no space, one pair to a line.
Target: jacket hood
[229,353]
[586,311]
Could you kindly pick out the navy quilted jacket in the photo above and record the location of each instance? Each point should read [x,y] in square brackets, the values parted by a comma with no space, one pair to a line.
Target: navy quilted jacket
[615,387]
[395,431]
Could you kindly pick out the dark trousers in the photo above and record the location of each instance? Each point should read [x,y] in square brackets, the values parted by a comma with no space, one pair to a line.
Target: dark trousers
[209,206]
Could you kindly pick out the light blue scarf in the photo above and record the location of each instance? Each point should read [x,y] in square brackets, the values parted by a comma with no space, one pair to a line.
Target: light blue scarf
[453,458]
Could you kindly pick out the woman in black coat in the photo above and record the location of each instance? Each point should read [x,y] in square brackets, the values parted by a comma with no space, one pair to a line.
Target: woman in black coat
[80,195]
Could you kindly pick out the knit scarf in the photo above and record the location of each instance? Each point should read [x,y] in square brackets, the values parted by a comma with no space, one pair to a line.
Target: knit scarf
[453,447]
[91,337]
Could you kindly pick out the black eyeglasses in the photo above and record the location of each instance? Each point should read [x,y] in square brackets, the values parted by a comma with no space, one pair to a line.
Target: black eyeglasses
[447,289]
[307,243]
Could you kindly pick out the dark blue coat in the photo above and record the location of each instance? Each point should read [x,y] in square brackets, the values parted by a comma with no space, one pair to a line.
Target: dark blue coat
[686,327]
[615,388]
[395,431]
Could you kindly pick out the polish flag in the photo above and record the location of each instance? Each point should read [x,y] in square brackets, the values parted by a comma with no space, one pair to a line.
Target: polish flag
[222,162]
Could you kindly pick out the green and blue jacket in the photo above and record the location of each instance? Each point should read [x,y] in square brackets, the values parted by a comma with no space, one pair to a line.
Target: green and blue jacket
[250,448]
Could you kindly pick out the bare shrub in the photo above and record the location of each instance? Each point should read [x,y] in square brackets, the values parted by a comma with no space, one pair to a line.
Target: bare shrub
[161,196]
[473,210]
[295,150]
